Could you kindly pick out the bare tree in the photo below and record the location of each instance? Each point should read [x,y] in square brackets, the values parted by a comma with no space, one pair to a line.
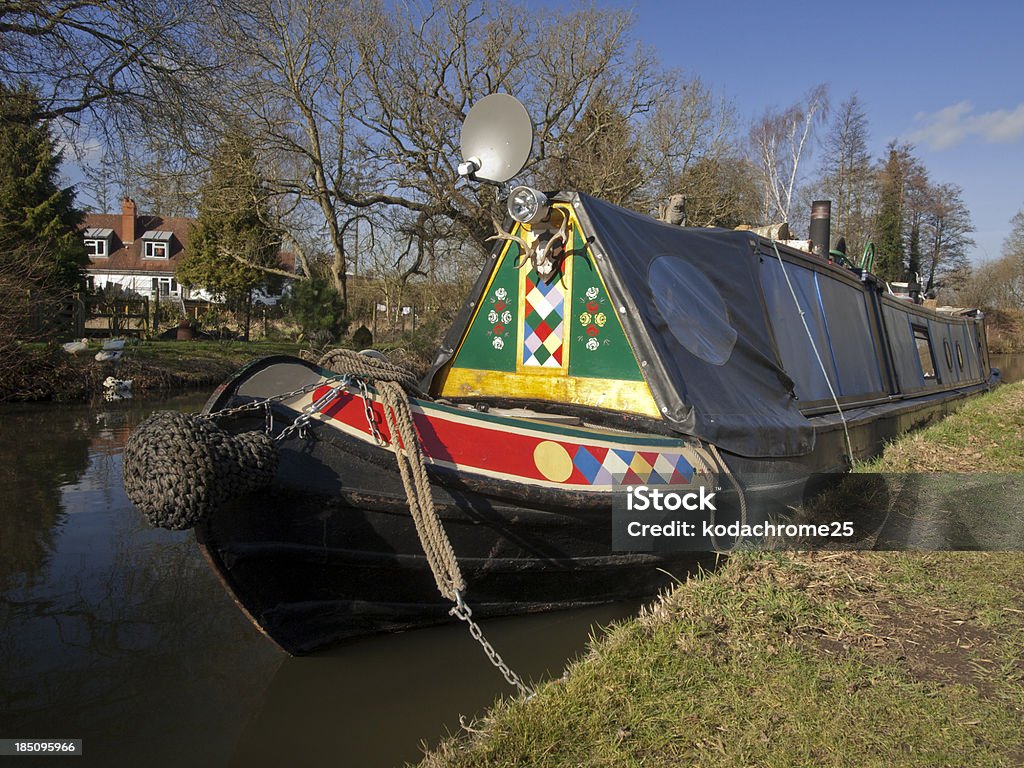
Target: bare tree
[847,175]
[115,60]
[424,70]
[946,229]
[1013,245]
[357,107]
[779,140]
[690,148]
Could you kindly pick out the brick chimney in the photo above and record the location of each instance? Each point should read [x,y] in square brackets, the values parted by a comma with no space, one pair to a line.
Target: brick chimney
[127,221]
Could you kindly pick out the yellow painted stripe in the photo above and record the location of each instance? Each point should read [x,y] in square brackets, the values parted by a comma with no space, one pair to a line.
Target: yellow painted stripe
[611,394]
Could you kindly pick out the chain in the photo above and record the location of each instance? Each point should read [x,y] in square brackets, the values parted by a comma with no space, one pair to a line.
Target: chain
[267,402]
[461,609]
[463,612]
[308,412]
[371,422]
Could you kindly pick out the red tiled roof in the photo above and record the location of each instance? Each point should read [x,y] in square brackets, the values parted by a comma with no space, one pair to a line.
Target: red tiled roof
[130,258]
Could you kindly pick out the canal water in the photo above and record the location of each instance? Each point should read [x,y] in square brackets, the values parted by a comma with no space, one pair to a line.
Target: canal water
[118,634]
[1011,367]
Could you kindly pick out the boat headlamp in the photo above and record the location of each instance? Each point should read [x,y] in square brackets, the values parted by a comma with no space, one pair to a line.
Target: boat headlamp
[527,205]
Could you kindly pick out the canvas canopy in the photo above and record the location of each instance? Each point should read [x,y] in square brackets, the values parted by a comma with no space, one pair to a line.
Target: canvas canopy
[695,312]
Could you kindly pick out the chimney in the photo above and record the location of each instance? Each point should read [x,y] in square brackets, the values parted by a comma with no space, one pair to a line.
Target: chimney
[821,220]
[127,221]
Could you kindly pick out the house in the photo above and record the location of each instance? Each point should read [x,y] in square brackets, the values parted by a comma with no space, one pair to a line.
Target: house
[141,254]
[138,253]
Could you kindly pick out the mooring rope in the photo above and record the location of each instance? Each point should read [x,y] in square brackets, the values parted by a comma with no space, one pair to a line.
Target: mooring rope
[710,462]
[810,337]
[393,384]
[179,468]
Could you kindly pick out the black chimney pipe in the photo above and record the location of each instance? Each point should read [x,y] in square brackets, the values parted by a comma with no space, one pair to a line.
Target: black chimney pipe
[821,224]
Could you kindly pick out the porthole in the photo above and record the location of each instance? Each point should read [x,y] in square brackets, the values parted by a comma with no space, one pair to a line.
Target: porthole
[959,356]
[949,354]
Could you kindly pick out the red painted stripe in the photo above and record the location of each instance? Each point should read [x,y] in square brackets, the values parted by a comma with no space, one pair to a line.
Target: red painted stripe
[470,446]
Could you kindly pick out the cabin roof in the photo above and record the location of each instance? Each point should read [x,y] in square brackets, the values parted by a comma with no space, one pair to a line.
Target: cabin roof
[695,313]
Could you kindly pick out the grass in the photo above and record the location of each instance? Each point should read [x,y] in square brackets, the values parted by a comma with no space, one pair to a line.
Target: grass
[802,659]
[986,435]
[162,365]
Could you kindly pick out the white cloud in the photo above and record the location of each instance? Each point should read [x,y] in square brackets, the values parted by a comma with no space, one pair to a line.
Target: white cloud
[953,124]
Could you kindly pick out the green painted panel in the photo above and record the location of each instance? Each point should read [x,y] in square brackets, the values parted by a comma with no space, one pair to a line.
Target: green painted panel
[599,348]
[490,344]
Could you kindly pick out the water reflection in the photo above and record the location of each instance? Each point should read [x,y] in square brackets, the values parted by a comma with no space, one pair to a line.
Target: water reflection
[1011,367]
[376,702]
[120,635]
[31,474]
[108,629]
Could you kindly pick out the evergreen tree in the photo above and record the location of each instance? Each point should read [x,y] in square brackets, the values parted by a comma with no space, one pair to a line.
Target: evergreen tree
[231,242]
[38,218]
[889,219]
[599,156]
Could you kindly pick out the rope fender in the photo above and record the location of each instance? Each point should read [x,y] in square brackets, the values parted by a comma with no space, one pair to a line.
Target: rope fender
[178,467]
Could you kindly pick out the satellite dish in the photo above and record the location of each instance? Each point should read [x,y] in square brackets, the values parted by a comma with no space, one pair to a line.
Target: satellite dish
[497,137]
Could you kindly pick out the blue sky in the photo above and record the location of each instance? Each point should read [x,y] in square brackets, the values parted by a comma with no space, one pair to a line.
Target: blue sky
[948,77]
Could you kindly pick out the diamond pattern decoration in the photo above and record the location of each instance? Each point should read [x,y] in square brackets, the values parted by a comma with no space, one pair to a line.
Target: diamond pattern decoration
[544,323]
[603,466]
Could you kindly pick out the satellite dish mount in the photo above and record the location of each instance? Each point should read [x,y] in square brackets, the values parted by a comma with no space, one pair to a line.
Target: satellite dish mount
[497,138]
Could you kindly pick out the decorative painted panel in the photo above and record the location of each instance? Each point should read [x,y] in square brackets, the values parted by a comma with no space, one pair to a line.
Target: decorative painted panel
[543,322]
[599,345]
[557,339]
[491,341]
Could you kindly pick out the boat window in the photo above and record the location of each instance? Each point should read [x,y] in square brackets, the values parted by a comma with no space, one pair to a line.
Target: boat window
[924,354]
[959,356]
[949,354]
[692,309]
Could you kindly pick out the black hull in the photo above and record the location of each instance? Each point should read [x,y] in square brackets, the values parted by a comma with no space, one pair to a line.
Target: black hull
[330,552]
[317,559]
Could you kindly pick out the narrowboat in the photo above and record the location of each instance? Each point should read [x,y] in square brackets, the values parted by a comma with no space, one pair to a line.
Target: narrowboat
[599,348]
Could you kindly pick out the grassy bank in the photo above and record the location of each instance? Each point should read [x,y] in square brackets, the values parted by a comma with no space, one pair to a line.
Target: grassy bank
[38,372]
[909,659]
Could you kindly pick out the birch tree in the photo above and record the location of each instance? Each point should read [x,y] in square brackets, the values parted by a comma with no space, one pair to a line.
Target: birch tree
[779,141]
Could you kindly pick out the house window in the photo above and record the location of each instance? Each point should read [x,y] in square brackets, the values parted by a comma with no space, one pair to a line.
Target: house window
[165,286]
[924,354]
[96,249]
[155,249]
